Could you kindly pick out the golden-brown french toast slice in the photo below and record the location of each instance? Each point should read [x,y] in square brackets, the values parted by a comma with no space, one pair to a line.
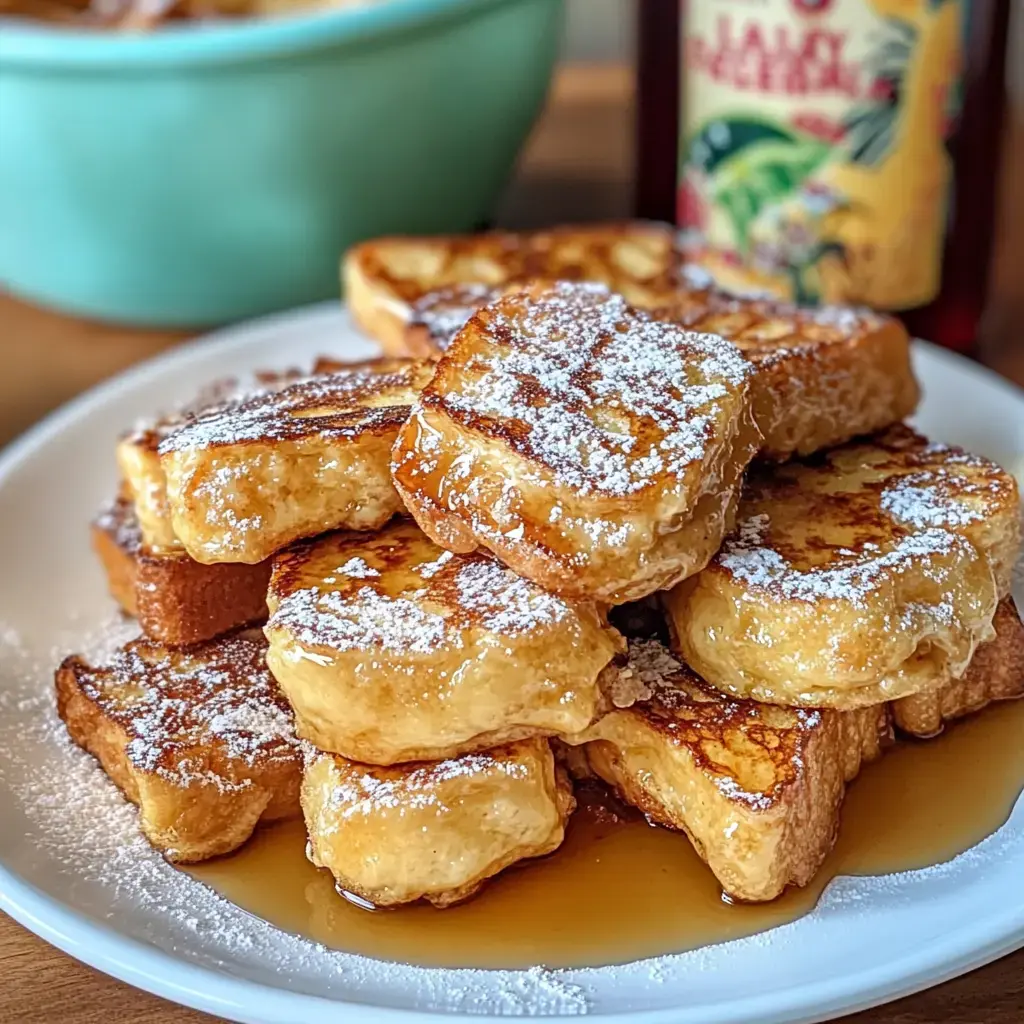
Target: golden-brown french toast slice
[869,573]
[247,479]
[385,277]
[595,451]
[143,477]
[201,740]
[432,831]
[137,450]
[757,788]
[391,649]
[996,672]
[177,600]
[823,375]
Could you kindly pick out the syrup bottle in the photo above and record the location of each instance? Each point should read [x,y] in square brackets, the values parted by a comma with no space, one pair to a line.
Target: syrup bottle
[830,150]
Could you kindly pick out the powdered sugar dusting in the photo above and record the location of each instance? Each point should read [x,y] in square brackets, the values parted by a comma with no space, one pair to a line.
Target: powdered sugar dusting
[430,600]
[334,405]
[178,708]
[696,277]
[503,602]
[850,578]
[217,395]
[364,790]
[119,521]
[77,823]
[918,500]
[361,621]
[445,312]
[606,398]
[357,569]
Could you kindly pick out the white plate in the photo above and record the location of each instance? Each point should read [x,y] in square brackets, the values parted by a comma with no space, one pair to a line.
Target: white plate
[73,870]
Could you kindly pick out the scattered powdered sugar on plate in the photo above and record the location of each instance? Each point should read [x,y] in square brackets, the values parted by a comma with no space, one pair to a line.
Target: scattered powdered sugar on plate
[88,834]
[68,833]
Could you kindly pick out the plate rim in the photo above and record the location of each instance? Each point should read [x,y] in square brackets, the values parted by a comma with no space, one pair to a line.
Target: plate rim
[135,962]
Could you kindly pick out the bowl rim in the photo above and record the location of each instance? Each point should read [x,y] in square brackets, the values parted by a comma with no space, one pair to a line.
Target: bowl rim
[39,46]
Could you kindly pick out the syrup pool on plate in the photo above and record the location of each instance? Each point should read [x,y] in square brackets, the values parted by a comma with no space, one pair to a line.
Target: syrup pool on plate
[620,890]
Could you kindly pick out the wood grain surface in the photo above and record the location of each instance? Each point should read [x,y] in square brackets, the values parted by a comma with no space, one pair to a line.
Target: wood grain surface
[575,168]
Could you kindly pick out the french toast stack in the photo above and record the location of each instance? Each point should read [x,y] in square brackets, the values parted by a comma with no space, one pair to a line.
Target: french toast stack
[590,517]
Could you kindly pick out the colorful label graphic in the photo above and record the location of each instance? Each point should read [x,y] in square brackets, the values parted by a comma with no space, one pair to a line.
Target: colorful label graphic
[813,155]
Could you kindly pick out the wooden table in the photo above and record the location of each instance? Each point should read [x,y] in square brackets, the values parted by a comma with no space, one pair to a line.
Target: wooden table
[576,167]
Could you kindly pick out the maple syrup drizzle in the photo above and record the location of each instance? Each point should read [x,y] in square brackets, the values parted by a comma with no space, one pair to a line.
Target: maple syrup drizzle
[619,889]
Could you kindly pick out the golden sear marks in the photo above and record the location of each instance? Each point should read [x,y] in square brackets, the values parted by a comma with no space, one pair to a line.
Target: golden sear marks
[251,478]
[364,398]
[823,375]
[864,500]
[202,740]
[213,711]
[869,573]
[756,787]
[635,259]
[579,440]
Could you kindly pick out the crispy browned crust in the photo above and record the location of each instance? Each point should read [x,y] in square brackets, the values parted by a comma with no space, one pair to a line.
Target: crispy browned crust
[757,788]
[824,376]
[185,737]
[502,452]
[177,600]
[363,398]
[115,540]
[247,479]
[384,277]
[996,673]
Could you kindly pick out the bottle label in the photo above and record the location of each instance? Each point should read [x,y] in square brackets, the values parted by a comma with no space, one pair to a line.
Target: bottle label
[813,150]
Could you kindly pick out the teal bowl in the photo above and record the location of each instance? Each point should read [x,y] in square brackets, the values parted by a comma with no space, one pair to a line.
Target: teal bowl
[203,174]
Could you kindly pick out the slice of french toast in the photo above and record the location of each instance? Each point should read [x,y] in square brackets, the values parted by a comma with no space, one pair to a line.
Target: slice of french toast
[177,600]
[391,649]
[384,278]
[246,479]
[138,449]
[433,831]
[139,464]
[996,672]
[869,573]
[201,740]
[757,788]
[595,451]
[824,375]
